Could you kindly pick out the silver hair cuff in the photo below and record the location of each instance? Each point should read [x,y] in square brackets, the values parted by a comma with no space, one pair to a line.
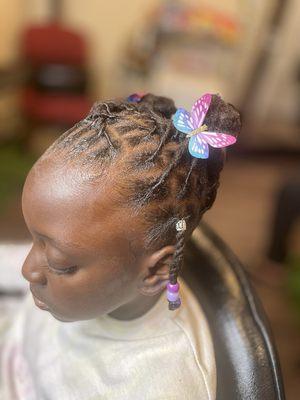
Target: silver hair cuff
[181,225]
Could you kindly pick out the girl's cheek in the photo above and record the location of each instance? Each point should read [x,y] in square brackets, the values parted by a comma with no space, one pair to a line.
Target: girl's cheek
[95,289]
[83,282]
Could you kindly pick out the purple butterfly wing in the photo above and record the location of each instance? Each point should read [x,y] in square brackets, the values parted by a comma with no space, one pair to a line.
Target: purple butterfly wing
[218,140]
[183,121]
[200,109]
[198,147]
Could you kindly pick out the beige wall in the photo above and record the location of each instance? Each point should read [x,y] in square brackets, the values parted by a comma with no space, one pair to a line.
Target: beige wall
[278,93]
[108,24]
[10,25]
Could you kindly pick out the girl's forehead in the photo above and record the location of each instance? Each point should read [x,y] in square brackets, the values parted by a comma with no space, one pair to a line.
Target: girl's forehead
[58,203]
[61,182]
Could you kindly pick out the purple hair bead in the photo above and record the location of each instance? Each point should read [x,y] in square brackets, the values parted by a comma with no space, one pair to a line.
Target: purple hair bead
[172,296]
[174,288]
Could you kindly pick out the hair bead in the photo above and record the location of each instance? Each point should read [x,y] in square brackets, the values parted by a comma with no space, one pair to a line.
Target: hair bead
[172,296]
[173,305]
[174,288]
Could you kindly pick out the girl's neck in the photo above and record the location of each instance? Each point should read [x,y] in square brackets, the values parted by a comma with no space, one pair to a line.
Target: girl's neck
[135,308]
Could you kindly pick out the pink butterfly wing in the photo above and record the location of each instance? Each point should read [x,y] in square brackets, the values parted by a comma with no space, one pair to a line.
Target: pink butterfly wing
[200,109]
[218,140]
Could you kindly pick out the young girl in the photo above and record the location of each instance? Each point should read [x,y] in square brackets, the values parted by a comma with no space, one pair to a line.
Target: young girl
[109,206]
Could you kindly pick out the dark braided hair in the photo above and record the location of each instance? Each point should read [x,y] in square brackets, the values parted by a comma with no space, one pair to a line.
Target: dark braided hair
[163,183]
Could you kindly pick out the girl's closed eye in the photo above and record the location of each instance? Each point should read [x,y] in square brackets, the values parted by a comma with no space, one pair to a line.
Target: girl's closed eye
[61,271]
[58,263]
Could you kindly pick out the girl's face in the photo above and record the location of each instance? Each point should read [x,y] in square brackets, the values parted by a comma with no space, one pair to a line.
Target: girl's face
[81,264]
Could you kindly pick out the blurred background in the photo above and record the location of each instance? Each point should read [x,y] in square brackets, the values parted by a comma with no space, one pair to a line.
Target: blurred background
[57,57]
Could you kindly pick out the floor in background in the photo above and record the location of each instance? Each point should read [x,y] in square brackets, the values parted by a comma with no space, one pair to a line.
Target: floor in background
[242,216]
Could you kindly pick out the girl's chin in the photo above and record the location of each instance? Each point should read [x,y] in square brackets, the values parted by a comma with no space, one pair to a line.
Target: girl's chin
[43,306]
[61,318]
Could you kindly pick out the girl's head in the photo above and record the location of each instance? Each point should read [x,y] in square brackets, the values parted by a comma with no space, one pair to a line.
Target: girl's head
[103,201]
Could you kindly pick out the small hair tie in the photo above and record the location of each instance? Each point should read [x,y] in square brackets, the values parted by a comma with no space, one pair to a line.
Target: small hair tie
[192,125]
[136,97]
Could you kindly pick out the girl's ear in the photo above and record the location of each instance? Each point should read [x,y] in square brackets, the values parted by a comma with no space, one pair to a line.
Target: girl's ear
[155,271]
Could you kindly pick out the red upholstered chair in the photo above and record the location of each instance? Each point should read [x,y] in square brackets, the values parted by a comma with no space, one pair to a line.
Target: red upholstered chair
[53,43]
[56,91]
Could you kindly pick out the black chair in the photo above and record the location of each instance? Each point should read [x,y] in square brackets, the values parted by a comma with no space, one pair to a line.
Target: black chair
[246,359]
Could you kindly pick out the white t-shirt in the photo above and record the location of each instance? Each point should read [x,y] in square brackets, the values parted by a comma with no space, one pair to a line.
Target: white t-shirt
[162,355]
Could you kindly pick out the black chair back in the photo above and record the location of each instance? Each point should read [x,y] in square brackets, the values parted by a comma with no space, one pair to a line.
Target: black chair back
[246,359]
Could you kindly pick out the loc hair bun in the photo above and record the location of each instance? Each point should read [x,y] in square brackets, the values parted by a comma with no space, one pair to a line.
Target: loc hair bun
[159,104]
[223,117]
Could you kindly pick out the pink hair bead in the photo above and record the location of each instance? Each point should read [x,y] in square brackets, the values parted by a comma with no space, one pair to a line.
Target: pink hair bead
[172,296]
[174,288]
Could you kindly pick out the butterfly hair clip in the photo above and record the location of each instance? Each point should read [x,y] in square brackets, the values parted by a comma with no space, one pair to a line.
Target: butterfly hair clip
[135,97]
[192,124]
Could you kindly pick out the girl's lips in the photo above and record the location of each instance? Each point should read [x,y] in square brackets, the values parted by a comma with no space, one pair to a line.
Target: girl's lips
[39,303]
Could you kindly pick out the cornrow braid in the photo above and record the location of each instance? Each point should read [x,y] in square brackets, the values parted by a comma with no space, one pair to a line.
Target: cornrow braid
[164,183]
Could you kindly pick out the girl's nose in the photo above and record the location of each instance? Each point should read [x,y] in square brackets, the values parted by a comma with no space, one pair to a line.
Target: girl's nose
[32,270]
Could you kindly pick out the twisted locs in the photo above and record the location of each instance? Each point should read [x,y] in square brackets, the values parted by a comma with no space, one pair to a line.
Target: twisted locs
[157,174]
[173,286]
[178,254]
